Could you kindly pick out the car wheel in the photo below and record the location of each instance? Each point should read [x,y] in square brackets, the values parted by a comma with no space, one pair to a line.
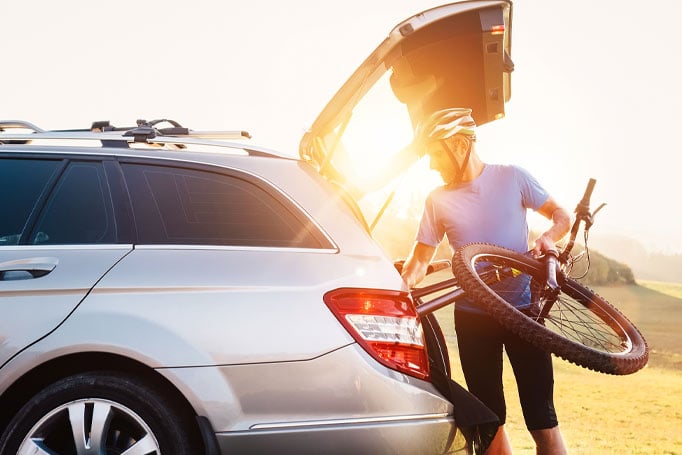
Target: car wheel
[98,413]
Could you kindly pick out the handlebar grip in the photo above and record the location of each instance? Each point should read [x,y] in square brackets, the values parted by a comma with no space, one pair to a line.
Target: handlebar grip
[552,261]
[583,207]
[438,265]
[588,192]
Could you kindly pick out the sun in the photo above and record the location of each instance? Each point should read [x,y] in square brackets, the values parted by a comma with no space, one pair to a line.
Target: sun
[379,131]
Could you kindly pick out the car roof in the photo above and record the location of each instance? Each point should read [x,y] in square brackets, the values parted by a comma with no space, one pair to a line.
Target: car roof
[146,139]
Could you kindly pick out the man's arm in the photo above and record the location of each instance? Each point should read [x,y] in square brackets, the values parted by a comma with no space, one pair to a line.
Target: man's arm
[561,223]
[414,269]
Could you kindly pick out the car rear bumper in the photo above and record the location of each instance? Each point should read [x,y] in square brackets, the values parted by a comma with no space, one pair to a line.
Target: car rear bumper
[432,434]
[341,402]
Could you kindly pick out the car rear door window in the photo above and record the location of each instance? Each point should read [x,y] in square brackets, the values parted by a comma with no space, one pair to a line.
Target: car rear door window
[190,206]
[22,183]
[79,210]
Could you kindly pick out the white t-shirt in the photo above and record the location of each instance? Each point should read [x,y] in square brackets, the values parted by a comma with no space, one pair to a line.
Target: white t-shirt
[490,209]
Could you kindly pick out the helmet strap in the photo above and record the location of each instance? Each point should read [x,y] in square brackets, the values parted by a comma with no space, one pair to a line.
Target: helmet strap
[459,169]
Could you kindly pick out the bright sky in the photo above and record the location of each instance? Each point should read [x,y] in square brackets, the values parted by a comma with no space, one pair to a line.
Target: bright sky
[595,93]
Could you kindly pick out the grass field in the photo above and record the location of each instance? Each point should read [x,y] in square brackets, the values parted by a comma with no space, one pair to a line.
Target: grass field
[603,414]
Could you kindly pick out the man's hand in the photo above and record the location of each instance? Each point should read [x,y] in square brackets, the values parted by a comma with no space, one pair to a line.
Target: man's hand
[543,244]
[415,266]
[561,222]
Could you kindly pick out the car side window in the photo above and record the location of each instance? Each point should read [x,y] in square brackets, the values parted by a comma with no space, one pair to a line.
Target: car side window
[190,206]
[79,210]
[22,183]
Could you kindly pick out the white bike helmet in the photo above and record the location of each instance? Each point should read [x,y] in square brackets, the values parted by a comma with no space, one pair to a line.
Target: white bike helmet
[442,125]
[445,123]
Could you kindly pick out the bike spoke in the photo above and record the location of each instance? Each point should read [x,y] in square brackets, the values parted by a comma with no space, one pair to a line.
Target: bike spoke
[570,320]
[576,322]
[570,317]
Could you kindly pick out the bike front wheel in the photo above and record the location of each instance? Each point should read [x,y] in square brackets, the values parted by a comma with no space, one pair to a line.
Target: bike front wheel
[574,323]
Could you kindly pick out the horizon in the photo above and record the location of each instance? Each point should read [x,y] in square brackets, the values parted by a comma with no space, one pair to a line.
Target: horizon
[594,91]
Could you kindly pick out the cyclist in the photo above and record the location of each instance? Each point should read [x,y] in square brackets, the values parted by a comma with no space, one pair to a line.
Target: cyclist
[488,203]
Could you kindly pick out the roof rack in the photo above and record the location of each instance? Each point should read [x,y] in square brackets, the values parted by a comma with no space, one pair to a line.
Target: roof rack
[19,124]
[109,135]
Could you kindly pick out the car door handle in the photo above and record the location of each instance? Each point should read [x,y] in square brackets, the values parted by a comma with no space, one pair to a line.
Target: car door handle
[27,268]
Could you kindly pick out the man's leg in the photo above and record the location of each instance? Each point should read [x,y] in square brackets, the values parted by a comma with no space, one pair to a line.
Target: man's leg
[549,441]
[500,444]
[535,380]
[480,354]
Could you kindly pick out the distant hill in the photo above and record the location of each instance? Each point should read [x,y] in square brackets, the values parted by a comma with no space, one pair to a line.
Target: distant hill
[644,264]
[603,270]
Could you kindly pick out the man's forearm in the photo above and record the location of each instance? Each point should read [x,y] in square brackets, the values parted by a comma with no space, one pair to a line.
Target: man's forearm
[561,223]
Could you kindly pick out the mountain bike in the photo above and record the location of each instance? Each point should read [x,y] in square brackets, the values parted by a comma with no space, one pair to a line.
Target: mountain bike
[539,300]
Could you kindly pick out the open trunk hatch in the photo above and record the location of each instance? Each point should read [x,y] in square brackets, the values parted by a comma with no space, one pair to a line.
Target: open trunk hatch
[455,55]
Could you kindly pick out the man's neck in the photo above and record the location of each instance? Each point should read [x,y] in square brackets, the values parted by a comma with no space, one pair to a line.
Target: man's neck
[474,168]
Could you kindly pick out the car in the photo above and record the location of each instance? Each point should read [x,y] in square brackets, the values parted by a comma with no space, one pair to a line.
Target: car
[177,291]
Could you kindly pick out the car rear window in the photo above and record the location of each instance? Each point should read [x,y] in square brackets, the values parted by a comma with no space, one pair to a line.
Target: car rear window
[175,205]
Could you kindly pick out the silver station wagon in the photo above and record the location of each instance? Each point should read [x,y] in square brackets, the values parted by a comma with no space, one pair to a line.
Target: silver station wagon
[176,291]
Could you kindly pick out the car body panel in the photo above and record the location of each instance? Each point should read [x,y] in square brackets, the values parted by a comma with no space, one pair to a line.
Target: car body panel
[244,308]
[306,393]
[417,436]
[33,307]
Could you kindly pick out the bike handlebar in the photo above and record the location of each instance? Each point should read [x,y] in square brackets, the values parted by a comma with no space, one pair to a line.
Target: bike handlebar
[584,204]
[588,191]
[582,212]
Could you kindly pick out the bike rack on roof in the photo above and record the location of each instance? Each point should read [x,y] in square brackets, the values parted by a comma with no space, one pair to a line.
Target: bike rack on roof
[148,130]
[109,135]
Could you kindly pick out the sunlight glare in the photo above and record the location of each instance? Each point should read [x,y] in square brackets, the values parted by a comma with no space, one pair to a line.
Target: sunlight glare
[379,129]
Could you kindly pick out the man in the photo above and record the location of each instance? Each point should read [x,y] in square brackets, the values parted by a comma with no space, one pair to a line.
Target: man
[488,203]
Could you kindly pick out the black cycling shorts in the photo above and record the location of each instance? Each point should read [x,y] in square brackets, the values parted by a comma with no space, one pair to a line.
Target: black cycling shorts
[481,340]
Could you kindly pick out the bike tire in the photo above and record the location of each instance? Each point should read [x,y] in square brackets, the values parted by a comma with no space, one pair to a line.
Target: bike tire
[581,327]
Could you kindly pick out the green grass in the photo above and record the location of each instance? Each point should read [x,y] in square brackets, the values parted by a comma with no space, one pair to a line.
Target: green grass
[603,414]
[656,309]
[671,289]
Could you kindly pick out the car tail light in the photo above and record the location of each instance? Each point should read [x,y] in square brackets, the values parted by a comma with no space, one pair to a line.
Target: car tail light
[385,324]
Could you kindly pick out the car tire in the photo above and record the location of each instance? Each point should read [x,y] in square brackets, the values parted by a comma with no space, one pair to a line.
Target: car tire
[102,412]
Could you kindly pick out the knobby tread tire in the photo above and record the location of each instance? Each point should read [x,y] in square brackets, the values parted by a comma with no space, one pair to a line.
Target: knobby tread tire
[527,328]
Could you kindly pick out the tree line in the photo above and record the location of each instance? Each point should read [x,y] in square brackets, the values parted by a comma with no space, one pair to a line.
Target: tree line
[397,234]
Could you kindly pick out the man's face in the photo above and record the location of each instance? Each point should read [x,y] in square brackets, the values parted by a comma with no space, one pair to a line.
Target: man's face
[441,160]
